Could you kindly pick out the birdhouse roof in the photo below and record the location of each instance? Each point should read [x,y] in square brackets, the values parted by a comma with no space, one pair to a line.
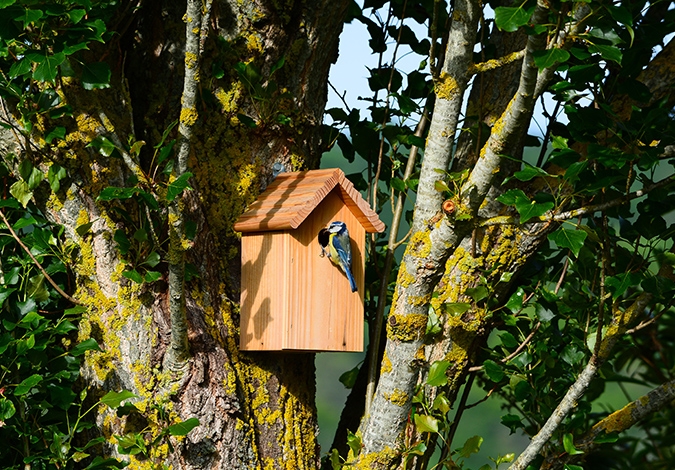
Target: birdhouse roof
[292,197]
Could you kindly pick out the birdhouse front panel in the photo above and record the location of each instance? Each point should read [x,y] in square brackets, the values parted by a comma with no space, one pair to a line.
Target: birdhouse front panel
[325,314]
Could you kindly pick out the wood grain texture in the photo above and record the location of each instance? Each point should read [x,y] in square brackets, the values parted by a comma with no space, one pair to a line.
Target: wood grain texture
[292,197]
[294,299]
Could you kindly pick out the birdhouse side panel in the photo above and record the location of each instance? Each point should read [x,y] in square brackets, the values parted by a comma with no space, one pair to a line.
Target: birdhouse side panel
[324,314]
[264,290]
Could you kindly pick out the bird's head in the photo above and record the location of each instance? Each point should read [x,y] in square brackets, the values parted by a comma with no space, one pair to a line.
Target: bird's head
[337,227]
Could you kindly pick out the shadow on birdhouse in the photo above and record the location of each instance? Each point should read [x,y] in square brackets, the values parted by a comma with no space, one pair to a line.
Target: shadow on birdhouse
[292,297]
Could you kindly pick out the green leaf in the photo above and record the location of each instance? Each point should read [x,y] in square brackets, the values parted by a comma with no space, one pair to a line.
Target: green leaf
[86,345]
[477,293]
[348,379]
[29,16]
[47,70]
[549,57]
[26,384]
[618,284]
[418,449]
[441,403]
[21,192]
[334,457]
[493,370]
[7,409]
[572,355]
[532,209]
[529,172]
[114,399]
[571,239]
[58,132]
[437,375]
[181,429]
[104,146]
[544,314]
[36,288]
[512,422]
[96,75]
[568,443]
[111,193]
[153,259]
[426,423]
[471,446]
[122,240]
[354,443]
[607,52]
[515,302]
[61,396]
[21,67]
[508,340]
[177,186]
[76,15]
[441,186]
[101,463]
[55,174]
[511,18]
[512,196]
[398,184]
[151,276]
[247,121]
[133,275]
[456,308]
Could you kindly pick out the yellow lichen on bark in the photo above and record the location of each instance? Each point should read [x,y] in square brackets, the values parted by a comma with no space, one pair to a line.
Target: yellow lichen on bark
[446,87]
[406,327]
[398,397]
[188,116]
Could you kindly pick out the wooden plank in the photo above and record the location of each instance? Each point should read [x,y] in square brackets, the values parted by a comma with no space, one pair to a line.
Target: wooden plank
[324,315]
[264,293]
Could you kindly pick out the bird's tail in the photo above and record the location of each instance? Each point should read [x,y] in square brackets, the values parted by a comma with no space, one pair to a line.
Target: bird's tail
[352,282]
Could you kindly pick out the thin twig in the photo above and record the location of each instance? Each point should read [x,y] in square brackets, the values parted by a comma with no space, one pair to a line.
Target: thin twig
[388,262]
[618,327]
[514,353]
[37,263]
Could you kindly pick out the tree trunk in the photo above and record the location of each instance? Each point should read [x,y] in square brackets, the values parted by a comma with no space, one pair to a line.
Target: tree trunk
[255,410]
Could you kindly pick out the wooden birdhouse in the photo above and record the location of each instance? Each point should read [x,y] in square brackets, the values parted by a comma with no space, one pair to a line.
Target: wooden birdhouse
[292,298]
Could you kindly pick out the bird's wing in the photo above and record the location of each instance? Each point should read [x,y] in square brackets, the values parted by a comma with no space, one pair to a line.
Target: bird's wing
[342,253]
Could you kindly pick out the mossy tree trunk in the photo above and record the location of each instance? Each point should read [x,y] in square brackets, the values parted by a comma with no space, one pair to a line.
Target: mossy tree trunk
[260,85]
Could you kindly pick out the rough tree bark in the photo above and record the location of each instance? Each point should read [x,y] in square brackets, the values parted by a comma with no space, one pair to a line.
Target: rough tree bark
[255,410]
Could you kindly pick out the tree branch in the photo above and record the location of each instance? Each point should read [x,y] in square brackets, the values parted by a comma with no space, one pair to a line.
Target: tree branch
[178,353]
[620,322]
[431,243]
[509,125]
[619,421]
[37,263]
[580,211]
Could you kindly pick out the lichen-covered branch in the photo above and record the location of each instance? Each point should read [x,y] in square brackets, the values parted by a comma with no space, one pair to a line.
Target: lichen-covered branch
[431,243]
[178,354]
[510,124]
[619,421]
[621,320]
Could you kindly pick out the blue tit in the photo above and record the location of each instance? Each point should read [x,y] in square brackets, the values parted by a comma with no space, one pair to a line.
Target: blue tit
[335,242]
